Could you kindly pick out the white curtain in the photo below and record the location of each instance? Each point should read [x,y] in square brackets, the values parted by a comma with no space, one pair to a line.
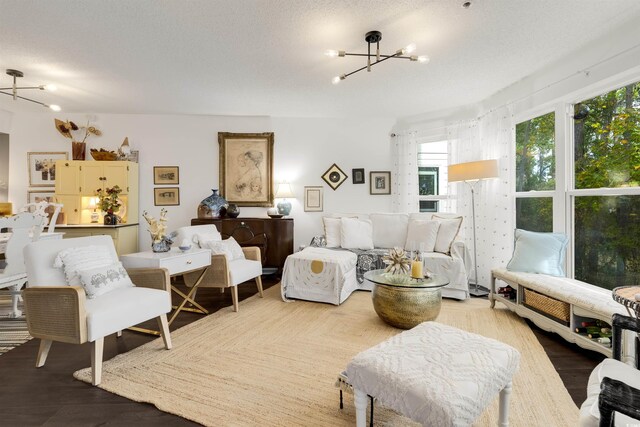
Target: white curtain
[404,182]
[489,137]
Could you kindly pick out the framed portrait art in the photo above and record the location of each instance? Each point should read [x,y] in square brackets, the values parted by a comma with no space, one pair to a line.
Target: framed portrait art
[379,182]
[166,196]
[246,168]
[42,167]
[163,175]
[313,199]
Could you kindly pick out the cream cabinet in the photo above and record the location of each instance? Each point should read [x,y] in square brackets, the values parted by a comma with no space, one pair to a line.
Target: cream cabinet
[77,182]
[125,236]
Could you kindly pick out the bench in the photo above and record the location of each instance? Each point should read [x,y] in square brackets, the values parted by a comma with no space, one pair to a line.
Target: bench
[560,305]
[434,374]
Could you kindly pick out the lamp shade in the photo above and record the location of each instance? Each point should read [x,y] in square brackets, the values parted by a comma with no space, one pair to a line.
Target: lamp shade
[284,191]
[473,171]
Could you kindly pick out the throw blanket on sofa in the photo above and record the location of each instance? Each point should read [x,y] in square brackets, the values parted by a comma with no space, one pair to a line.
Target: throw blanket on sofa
[368,259]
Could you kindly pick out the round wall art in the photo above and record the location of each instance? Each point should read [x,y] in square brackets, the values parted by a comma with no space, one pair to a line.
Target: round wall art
[334,176]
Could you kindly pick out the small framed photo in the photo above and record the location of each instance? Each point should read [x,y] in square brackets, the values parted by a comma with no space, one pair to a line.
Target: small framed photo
[37,196]
[379,182]
[313,199]
[334,176]
[166,175]
[166,196]
[357,175]
[42,167]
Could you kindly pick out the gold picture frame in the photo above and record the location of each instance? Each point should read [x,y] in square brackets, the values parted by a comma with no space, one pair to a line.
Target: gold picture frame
[246,168]
[166,175]
[42,167]
[166,196]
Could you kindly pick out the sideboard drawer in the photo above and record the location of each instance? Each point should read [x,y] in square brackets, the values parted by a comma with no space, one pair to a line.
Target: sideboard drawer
[186,262]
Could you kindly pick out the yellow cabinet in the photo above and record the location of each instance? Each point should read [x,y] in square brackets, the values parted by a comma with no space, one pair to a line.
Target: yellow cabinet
[125,236]
[77,182]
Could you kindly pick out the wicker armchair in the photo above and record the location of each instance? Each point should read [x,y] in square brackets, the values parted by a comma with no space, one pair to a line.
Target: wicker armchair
[613,391]
[58,312]
[222,273]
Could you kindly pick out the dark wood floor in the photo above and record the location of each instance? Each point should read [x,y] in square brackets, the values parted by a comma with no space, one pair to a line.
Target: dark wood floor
[51,396]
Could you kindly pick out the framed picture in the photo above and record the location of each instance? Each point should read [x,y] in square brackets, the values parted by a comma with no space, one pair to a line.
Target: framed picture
[379,182]
[163,175]
[334,176]
[166,196]
[313,199]
[246,168]
[37,196]
[357,175]
[42,167]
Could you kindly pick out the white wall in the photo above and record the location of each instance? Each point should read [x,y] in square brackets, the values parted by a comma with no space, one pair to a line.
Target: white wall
[4,166]
[304,149]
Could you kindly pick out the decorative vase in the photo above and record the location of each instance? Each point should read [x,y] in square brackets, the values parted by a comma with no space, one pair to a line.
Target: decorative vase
[210,207]
[233,210]
[78,150]
[110,218]
[284,207]
[162,246]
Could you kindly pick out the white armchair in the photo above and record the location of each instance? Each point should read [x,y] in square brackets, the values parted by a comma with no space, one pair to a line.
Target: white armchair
[59,312]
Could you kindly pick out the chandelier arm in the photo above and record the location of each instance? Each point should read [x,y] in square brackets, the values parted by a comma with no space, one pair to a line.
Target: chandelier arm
[381,55]
[26,99]
[372,64]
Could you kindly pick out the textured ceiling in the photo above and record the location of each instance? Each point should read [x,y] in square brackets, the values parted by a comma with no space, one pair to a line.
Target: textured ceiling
[265,57]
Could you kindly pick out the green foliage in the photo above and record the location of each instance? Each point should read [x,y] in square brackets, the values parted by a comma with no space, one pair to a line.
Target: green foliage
[535,158]
[108,199]
[534,213]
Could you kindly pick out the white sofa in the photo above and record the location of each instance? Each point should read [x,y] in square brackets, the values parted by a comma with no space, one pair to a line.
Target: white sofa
[390,230]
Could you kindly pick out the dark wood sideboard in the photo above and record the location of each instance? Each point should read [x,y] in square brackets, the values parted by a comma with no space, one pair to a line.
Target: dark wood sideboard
[273,236]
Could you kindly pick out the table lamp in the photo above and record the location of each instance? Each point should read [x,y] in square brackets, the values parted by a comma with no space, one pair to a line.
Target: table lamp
[471,173]
[284,191]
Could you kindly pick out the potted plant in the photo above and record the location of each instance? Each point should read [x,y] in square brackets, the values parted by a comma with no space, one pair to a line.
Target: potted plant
[109,202]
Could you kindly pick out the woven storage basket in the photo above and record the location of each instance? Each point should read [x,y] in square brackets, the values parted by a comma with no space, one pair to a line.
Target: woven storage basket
[552,308]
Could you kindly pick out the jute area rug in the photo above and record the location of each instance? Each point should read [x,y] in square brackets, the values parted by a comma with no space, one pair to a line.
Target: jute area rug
[275,364]
[13,332]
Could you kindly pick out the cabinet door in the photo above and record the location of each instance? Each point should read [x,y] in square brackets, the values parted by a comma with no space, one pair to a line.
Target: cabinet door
[67,177]
[92,174]
[70,208]
[117,174]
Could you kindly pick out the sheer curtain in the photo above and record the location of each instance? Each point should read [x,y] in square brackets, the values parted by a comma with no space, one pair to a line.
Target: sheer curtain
[404,182]
[489,137]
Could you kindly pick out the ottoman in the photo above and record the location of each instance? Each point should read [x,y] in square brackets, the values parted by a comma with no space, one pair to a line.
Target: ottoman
[434,374]
[319,274]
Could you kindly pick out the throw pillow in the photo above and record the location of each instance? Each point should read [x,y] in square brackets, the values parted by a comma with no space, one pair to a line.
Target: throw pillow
[447,232]
[538,253]
[73,260]
[356,233]
[422,235]
[389,230]
[332,231]
[229,248]
[202,238]
[98,281]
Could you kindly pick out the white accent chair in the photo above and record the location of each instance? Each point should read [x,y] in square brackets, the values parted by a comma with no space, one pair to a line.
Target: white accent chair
[59,312]
[42,209]
[222,273]
[24,228]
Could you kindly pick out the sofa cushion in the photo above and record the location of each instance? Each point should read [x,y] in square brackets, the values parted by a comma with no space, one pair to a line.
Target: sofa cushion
[541,253]
[332,231]
[100,280]
[356,233]
[422,235]
[389,230]
[447,232]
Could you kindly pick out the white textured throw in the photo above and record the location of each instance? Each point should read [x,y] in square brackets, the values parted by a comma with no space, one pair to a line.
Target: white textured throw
[435,374]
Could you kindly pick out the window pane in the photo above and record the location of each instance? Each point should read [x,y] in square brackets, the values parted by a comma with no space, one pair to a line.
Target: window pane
[607,139]
[428,181]
[607,249]
[428,206]
[535,159]
[534,213]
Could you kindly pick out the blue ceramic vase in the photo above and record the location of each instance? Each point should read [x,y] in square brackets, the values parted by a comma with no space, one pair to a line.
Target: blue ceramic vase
[211,206]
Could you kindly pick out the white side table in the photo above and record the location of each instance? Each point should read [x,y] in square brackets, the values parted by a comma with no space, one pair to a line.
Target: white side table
[177,263]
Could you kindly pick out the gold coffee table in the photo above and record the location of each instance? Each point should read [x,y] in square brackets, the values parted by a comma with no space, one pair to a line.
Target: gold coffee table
[404,302]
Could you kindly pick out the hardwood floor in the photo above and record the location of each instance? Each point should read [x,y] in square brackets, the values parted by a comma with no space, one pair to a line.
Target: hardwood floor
[51,396]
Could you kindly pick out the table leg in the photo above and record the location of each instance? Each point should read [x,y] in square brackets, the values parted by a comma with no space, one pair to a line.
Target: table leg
[505,394]
[360,401]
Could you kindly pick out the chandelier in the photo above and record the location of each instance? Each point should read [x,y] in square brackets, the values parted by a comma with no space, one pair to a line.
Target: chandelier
[374,37]
[14,90]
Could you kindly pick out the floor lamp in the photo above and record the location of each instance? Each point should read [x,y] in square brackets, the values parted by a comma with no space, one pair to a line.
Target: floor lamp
[472,173]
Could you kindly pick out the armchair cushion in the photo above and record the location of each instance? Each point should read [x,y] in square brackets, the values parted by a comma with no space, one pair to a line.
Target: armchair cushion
[122,308]
[611,368]
[100,280]
[190,232]
[228,247]
[73,260]
[241,270]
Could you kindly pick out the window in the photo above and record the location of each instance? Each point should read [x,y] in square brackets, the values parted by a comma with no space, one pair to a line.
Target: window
[606,195]
[432,175]
[535,171]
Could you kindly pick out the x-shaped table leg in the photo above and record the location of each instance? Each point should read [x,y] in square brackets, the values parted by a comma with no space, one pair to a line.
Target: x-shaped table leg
[188,298]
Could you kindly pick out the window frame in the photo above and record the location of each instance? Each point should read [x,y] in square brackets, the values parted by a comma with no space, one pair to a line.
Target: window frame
[440,197]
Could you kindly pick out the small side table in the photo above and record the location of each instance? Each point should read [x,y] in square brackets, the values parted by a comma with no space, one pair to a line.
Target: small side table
[177,263]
